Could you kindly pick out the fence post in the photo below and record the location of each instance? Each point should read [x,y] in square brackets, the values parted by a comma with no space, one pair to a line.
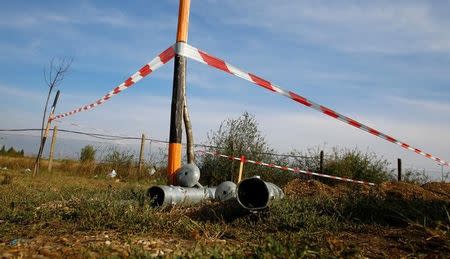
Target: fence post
[141,155]
[241,169]
[52,149]
[399,170]
[321,162]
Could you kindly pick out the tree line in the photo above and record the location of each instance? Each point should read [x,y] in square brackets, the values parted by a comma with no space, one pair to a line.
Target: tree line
[11,152]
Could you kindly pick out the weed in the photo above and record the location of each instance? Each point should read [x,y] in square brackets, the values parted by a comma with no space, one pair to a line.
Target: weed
[7,179]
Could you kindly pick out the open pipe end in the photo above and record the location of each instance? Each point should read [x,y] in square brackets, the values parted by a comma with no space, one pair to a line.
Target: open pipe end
[253,194]
[156,195]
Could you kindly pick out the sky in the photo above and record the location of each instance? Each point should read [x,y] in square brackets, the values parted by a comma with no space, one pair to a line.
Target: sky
[383,63]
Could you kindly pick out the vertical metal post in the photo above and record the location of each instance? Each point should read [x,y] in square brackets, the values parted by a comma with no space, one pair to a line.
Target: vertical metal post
[141,156]
[179,80]
[399,170]
[52,149]
[321,162]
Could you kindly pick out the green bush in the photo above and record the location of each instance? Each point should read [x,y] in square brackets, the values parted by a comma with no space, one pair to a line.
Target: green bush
[355,164]
[120,161]
[87,154]
[235,137]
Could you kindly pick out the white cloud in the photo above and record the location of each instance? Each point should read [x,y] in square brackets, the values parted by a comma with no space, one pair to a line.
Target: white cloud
[84,14]
[351,26]
[73,30]
[8,92]
[299,130]
[418,104]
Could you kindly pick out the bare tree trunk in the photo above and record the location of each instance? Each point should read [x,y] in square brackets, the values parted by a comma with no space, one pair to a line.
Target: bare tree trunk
[189,134]
[44,117]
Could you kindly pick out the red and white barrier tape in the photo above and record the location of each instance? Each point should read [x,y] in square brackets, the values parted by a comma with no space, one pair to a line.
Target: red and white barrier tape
[285,168]
[146,70]
[186,50]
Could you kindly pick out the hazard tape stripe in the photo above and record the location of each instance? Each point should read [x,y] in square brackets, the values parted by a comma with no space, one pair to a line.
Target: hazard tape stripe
[146,70]
[186,50]
[285,168]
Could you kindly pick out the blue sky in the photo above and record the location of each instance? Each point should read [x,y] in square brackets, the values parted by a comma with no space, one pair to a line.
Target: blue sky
[381,62]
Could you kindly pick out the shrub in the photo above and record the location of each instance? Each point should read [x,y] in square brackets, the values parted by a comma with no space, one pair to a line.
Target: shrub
[355,164]
[87,154]
[415,176]
[121,161]
[235,137]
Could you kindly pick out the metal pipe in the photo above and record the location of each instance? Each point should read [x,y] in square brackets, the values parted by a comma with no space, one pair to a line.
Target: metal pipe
[255,194]
[225,191]
[164,195]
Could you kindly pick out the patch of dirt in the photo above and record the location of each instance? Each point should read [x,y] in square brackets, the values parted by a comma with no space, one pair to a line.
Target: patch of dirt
[409,191]
[438,188]
[429,192]
[300,188]
[100,244]
[389,242]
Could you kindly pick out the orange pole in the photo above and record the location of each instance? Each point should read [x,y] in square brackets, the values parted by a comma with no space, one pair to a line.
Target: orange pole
[183,20]
[179,80]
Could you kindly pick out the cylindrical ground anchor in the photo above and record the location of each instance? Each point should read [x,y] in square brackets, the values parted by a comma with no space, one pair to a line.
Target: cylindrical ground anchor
[255,194]
[164,195]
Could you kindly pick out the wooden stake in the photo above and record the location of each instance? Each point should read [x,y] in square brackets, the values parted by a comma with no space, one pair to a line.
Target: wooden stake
[52,149]
[399,169]
[179,82]
[44,138]
[37,163]
[241,169]
[141,155]
[321,162]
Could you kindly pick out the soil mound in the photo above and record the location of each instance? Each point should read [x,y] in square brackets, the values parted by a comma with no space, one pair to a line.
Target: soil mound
[399,190]
[442,189]
[302,188]
[408,191]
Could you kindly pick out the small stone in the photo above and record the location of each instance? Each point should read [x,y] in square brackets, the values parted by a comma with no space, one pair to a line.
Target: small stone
[107,242]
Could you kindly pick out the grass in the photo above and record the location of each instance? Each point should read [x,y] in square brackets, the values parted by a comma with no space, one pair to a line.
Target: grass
[68,214]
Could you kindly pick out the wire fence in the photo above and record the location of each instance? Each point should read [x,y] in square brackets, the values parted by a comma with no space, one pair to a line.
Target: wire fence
[112,137]
[155,150]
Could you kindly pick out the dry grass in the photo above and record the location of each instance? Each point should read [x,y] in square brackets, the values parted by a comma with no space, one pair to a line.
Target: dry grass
[67,214]
[125,169]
